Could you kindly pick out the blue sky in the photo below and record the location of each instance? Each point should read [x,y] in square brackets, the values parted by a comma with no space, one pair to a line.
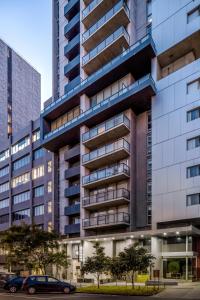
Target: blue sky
[26,26]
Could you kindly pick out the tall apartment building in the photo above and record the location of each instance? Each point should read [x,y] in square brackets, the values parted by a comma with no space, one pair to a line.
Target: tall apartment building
[19,92]
[124,128]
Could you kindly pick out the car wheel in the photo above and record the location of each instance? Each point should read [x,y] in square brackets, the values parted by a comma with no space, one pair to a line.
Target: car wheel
[13,289]
[31,290]
[66,290]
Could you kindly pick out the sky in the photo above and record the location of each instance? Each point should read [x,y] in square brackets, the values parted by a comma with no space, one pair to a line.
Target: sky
[25,25]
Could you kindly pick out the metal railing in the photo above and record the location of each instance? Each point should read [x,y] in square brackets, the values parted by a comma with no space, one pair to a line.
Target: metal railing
[90,7]
[105,18]
[102,197]
[109,148]
[103,103]
[106,173]
[108,41]
[107,219]
[99,71]
[107,125]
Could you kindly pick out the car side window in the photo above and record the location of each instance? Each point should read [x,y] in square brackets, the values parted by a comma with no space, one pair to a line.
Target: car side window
[40,279]
[51,279]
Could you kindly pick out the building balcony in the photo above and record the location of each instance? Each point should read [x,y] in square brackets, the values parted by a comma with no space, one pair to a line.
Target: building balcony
[72,154]
[72,84]
[109,220]
[106,199]
[72,191]
[73,27]
[72,228]
[72,210]
[111,152]
[73,172]
[96,9]
[108,49]
[112,129]
[71,9]
[107,175]
[73,47]
[108,23]
[72,67]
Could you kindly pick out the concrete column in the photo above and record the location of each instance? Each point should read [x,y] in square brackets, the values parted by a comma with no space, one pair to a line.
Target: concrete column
[186,269]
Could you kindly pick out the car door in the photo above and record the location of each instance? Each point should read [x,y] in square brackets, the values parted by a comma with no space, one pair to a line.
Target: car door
[53,284]
[41,283]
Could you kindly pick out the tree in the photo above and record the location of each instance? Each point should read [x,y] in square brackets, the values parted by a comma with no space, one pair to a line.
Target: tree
[30,248]
[116,268]
[134,259]
[174,266]
[97,264]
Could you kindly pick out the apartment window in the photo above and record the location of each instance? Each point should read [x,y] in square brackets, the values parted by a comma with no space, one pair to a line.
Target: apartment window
[193,171]
[4,203]
[4,187]
[50,207]
[22,197]
[65,118]
[4,155]
[193,86]
[38,172]
[36,136]
[21,214]
[21,162]
[4,171]
[38,191]
[193,14]
[149,214]
[39,210]
[49,166]
[49,186]
[50,226]
[20,145]
[193,143]
[193,199]
[193,114]
[76,220]
[38,153]
[149,11]
[22,179]
[4,219]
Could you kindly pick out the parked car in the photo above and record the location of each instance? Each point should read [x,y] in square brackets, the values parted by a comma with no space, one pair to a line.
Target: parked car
[14,284]
[4,277]
[33,284]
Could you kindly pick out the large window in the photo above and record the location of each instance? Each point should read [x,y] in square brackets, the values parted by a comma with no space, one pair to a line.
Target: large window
[19,180]
[21,162]
[39,210]
[20,145]
[21,214]
[22,197]
[193,114]
[36,135]
[4,203]
[67,117]
[4,171]
[4,155]
[4,219]
[38,153]
[193,86]
[193,199]
[38,172]
[38,191]
[4,187]
[149,11]
[193,143]
[193,171]
[49,186]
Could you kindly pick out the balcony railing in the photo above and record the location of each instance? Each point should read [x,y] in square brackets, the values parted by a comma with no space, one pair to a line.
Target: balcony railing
[120,144]
[104,19]
[106,196]
[72,228]
[106,126]
[103,45]
[109,219]
[90,7]
[118,169]
[99,72]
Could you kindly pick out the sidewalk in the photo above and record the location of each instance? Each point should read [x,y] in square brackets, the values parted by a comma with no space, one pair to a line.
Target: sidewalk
[189,290]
